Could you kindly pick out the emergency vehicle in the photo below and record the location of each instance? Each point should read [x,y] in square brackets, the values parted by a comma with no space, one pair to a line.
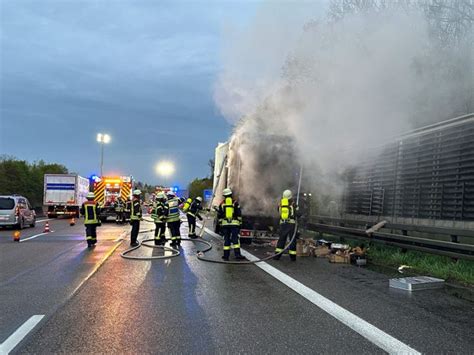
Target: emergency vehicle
[111,194]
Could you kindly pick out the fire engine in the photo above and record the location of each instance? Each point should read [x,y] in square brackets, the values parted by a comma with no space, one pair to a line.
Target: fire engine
[112,193]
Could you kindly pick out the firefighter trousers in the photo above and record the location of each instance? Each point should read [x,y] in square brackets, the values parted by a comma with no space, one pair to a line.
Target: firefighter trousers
[160,229]
[135,223]
[174,231]
[192,225]
[91,234]
[286,232]
[231,240]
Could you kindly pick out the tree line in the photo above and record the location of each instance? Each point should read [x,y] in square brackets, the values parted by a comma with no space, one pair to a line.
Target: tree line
[26,179]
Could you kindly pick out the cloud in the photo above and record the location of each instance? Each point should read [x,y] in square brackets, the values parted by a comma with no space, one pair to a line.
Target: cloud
[141,70]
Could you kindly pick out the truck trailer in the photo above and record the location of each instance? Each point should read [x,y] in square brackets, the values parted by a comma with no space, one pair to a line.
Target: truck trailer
[258,167]
[64,194]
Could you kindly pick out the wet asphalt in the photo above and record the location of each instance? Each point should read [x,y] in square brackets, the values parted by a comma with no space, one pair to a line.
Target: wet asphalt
[183,305]
[39,275]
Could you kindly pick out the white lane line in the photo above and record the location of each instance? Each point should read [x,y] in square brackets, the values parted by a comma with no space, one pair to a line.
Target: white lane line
[19,334]
[367,330]
[44,220]
[33,237]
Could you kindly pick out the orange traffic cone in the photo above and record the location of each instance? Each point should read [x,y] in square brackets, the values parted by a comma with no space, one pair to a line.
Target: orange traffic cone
[72,222]
[46,228]
[16,236]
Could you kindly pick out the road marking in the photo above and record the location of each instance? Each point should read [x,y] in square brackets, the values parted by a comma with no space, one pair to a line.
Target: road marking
[44,220]
[367,330]
[33,237]
[19,334]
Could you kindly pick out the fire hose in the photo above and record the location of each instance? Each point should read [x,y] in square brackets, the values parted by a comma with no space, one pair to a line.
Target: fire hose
[200,253]
[175,252]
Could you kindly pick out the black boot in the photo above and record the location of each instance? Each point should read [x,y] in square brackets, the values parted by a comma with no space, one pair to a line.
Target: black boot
[277,257]
[239,256]
[292,257]
[225,257]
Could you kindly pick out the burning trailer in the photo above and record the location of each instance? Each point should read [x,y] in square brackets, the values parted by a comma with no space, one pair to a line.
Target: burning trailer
[257,167]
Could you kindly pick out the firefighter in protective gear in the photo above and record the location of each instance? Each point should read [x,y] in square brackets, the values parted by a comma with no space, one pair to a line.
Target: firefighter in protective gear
[135,217]
[173,219]
[192,213]
[158,214]
[119,211]
[127,209]
[90,211]
[287,210]
[230,218]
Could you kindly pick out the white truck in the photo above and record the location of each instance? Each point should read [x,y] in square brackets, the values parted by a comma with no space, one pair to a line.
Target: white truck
[64,194]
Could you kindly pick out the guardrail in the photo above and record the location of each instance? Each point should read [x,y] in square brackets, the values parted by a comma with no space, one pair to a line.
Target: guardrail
[452,249]
[454,233]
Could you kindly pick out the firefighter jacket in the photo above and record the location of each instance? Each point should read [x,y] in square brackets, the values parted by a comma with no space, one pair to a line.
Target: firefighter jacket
[136,210]
[229,213]
[159,212]
[90,211]
[194,209]
[173,210]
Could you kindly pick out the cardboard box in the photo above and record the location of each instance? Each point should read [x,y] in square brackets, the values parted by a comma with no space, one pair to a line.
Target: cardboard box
[303,248]
[321,251]
[339,258]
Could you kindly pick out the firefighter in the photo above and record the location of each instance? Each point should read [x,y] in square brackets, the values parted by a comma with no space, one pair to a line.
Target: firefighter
[135,217]
[90,211]
[119,211]
[173,219]
[158,214]
[230,217]
[287,211]
[126,210]
[192,213]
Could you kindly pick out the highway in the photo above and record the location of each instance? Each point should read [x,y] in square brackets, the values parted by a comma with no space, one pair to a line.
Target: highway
[183,305]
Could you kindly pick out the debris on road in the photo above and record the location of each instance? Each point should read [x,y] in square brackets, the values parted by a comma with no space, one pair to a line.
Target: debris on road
[416,283]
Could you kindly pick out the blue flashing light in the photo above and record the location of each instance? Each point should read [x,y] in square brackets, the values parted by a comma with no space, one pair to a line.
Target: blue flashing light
[94,178]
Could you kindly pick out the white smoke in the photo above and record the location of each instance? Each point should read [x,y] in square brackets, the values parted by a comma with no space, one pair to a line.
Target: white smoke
[336,87]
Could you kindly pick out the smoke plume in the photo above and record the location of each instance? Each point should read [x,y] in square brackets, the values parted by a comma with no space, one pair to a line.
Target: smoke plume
[339,84]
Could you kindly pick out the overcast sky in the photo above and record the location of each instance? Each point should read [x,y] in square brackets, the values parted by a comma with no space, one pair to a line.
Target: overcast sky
[142,71]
